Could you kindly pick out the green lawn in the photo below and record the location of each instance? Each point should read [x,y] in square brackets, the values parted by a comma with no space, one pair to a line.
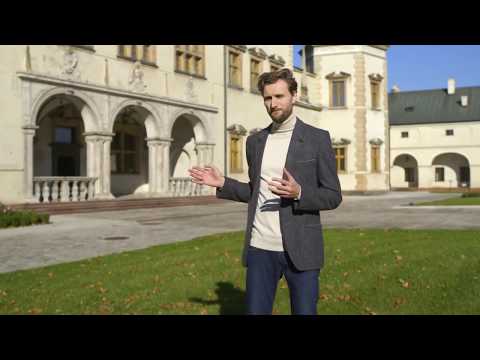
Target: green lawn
[366,272]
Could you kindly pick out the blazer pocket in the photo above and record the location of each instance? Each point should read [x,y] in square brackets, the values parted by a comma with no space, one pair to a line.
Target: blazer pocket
[306,161]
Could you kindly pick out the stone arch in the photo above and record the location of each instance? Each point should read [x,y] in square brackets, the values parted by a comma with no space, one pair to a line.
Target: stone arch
[86,105]
[456,168]
[404,172]
[197,120]
[152,119]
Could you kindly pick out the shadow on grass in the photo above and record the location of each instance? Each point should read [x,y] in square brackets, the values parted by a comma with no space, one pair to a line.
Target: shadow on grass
[230,299]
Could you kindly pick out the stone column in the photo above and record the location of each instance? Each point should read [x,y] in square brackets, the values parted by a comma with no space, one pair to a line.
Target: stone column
[158,165]
[106,168]
[475,176]
[426,176]
[28,134]
[360,115]
[98,162]
[205,157]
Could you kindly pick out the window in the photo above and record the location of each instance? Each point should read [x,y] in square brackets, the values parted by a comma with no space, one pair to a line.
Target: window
[64,135]
[255,69]
[410,175]
[404,134]
[375,87]
[340,157]
[236,165]
[190,59]
[338,89]
[375,155]
[235,68]
[449,132]
[439,174]
[143,53]
[124,153]
[338,93]
[375,82]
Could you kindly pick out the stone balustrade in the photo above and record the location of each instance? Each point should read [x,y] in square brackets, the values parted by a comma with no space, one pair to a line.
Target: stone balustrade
[63,189]
[184,187]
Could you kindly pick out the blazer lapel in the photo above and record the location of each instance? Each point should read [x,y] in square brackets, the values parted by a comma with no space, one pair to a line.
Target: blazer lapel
[259,150]
[296,145]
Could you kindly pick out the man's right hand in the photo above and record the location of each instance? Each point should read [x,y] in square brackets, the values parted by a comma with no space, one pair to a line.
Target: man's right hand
[208,175]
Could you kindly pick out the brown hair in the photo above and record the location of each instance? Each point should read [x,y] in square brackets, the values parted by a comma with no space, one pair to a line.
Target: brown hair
[272,77]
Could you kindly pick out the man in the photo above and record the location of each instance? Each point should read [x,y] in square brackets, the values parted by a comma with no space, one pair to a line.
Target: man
[292,172]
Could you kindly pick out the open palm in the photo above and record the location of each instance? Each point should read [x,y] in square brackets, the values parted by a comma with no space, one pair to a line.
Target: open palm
[208,175]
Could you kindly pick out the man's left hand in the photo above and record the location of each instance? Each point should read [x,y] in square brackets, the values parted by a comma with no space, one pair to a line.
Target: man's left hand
[286,188]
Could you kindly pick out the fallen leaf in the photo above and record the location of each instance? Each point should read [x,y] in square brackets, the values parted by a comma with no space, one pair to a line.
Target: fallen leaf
[398,258]
[204,312]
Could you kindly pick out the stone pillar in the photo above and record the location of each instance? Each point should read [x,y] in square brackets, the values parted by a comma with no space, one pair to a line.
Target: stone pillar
[360,115]
[475,176]
[98,162]
[28,134]
[158,165]
[106,168]
[205,157]
[426,176]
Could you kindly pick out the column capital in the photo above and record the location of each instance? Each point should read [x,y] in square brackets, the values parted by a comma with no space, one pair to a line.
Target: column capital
[158,140]
[98,134]
[29,129]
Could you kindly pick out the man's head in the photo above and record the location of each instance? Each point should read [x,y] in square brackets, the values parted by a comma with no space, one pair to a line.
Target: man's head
[279,90]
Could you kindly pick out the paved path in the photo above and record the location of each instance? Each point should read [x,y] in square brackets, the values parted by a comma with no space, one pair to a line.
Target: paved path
[81,236]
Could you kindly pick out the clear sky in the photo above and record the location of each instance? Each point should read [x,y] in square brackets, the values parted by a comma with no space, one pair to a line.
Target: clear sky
[421,67]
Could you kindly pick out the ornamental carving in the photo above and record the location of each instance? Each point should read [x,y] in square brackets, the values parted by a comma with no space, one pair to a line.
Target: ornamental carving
[277,59]
[70,63]
[237,129]
[136,78]
[337,75]
[340,142]
[376,141]
[375,77]
[258,52]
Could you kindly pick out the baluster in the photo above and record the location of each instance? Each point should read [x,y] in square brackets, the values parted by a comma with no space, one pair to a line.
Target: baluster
[83,191]
[91,189]
[55,191]
[64,191]
[45,192]
[75,190]
[38,192]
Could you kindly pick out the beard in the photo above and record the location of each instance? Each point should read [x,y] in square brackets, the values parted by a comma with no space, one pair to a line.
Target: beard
[280,116]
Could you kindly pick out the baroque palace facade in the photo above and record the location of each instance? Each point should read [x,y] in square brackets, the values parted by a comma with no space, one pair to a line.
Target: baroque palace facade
[86,122]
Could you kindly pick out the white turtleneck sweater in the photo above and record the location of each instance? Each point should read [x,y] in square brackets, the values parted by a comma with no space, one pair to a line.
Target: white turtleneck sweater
[266,233]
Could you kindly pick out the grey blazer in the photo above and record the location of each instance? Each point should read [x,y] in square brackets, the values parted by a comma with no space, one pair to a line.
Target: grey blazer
[311,161]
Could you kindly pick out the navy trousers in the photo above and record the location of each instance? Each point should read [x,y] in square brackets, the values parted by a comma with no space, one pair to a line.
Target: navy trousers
[264,271]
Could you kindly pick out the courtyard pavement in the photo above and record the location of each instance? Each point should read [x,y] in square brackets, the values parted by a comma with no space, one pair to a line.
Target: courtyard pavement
[81,236]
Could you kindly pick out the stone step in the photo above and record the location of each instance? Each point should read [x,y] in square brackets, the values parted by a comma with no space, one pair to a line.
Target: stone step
[114,205]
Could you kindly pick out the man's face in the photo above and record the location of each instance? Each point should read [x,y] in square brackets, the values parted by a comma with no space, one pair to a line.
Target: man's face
[278,101]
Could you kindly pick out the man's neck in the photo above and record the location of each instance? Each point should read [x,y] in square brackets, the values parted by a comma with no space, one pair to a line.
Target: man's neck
[285,126]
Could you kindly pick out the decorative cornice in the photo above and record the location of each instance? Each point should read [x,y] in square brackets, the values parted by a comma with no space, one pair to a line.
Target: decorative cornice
[71,84]
[375,77]
[258,52]
[237,129]
[337,75]
[376,141]
[277,60]
[340,142]
[241,48]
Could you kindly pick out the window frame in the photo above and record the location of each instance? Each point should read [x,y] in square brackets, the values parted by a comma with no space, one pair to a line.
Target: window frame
[236,153]
[122,151]
[190,53]
[375,159]
[137,53]
[338,158]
